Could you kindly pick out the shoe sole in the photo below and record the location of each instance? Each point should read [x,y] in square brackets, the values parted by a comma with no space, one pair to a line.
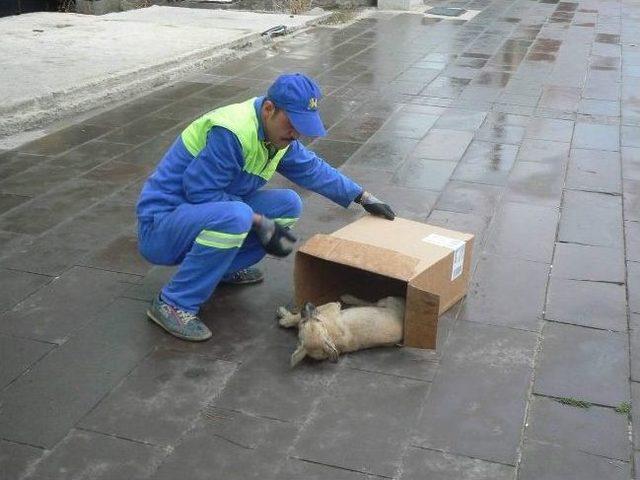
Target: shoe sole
[175,334]
[246,282]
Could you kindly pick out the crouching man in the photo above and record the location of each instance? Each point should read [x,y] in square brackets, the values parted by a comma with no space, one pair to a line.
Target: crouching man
[202,208]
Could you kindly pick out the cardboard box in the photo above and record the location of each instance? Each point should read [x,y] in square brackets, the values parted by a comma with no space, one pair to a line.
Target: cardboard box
[373,258]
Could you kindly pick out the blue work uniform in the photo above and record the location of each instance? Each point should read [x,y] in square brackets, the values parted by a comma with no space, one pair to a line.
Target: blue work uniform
[196,209]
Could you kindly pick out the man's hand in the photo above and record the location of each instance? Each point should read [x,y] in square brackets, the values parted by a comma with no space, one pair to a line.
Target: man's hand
[275,239]
[375,206]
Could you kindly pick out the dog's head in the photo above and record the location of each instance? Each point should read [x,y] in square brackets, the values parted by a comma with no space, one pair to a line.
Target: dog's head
[314,340]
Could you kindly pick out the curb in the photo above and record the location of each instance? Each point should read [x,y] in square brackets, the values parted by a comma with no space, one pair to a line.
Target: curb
[40,111]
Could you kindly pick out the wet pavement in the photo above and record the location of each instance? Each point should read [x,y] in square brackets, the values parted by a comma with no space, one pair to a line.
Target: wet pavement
[521,126]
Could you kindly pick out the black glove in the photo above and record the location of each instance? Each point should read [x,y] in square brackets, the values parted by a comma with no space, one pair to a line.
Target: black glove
[275,239]
[375,206]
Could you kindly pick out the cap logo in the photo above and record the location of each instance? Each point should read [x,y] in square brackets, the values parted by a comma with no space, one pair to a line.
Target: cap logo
[313,103]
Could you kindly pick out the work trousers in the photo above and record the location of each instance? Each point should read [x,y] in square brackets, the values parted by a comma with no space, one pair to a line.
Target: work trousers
[209,240]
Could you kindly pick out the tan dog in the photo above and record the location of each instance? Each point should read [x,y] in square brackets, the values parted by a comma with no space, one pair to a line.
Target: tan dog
[328,330]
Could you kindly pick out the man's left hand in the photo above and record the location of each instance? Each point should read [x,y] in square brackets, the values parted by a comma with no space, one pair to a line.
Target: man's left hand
[375,206]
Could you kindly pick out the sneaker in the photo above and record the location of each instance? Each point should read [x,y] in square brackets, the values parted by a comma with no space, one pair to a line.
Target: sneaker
[244,276]
[179,323]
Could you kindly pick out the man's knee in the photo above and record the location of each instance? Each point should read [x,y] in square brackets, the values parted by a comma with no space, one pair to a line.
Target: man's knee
[237,217]
[293,202]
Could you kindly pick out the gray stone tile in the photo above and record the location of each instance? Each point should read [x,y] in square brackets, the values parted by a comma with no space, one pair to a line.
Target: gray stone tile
[599,137]
[631,163]
[634,344]
[499,296]
[582,210]
[460,119]
[486,162]
[499,133]
[330,433]
[632,237]
[13,162]
[89,155]
[91,455]
[266,385]
[421,463]
[120,255]
[16,286]
[405,124]
[630,136]
[535,183]
[583,363]
[46,211]
[294,469]
[383,153]
[75,376]
[585,262]
[463,222]
[477,402]
[63,306]
[161,398]
[66,244]
[558,463]
[474,198]
[633,286]
[129,111]
[402,362]
[16,459]
[550,129]
[523,231]
[631,199]
[36,180]
[119,173]
[545,151]
[594,170]
[9,201]
[596,430]
[440,144]
[424,174]
[592,304]
[18,354]
[592,106]
[233,444]
[140,130]
[334,152]
[64,139]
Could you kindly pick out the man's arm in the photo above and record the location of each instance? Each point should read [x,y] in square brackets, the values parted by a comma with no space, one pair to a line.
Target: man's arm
[305,168]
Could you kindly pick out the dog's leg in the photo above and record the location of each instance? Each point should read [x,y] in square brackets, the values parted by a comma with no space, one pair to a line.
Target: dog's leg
[288,319]
[354,301]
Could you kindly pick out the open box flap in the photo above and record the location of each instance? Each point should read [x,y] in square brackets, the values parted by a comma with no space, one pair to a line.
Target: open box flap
[361,255]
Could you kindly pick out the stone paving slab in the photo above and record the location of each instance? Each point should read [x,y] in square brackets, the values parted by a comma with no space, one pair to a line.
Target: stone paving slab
[595,369]
[476,406]
[553,462]
[596,430]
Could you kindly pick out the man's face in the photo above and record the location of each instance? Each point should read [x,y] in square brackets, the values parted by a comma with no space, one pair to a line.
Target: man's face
[277,127]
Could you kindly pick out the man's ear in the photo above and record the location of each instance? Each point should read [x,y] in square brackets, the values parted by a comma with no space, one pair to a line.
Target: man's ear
[268,107]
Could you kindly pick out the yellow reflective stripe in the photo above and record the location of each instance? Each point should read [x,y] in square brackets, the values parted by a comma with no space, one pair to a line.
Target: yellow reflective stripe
[286,221]
[211,238]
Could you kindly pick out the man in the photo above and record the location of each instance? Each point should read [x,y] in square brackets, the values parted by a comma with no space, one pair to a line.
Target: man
[203,209]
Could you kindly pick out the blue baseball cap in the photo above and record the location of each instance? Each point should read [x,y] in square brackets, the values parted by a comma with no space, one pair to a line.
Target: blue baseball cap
[298,95]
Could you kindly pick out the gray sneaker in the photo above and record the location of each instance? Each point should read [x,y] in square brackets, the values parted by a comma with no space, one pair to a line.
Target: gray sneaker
[243,277]
[179,323]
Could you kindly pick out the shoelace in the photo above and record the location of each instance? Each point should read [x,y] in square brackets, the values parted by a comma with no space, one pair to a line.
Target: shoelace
[184,316]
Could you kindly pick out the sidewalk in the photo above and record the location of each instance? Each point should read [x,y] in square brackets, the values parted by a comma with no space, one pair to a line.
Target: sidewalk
[57,64]
[521,126]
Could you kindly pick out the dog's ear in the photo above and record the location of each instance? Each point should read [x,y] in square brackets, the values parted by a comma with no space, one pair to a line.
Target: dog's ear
[308,311]
[329,347]
[298,355]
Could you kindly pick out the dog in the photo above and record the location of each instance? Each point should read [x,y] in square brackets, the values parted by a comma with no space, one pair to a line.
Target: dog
[329,330]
